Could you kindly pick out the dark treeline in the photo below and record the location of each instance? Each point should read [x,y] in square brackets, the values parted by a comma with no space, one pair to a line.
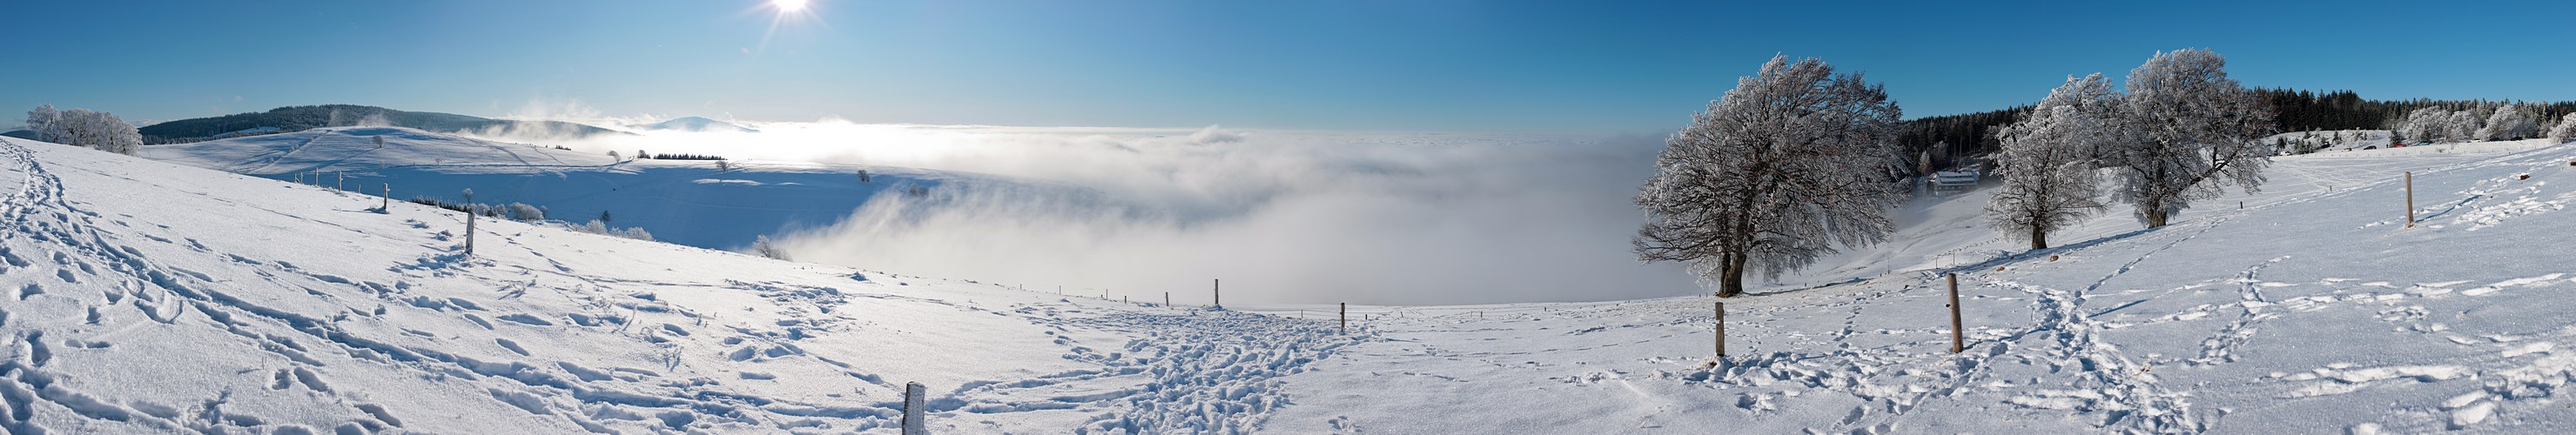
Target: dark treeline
[1956,136]
[684,157]
[2302,110]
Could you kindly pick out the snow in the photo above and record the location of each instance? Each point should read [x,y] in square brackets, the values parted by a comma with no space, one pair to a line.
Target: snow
[2196,327]
[147,297]
[139,296]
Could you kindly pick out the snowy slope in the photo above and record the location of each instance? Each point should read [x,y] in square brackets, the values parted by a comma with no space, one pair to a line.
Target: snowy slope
[688,202]
[2311,310]
[144,297]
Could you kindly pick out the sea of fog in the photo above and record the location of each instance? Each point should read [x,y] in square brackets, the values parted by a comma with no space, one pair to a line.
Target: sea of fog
[1283,217]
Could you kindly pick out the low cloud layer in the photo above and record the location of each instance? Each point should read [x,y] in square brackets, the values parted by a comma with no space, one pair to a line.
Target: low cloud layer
[1282,217]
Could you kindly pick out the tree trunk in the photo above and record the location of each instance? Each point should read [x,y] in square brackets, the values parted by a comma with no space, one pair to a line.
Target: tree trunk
[2156,214]
[1731,278]
[2038,238]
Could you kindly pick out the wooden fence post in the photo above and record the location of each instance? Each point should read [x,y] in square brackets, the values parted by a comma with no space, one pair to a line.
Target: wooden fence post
[913,404]
[1958,339]
[1217,289]
[2410,199]
[1721,330]
[388,207]
[1346,318]
[469,221]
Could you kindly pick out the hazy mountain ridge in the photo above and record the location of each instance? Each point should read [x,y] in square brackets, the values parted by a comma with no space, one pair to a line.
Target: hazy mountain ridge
[300,118]
[694,124]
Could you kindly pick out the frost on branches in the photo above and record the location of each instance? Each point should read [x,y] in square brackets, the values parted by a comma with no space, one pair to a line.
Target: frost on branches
[2047,163]
[2566,129]
[1790,163]
[2464,126]
[2430,124]
[2510,122]
[84,128]
[2186,131]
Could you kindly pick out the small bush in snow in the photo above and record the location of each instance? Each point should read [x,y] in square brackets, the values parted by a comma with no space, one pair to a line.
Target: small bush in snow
[526,213]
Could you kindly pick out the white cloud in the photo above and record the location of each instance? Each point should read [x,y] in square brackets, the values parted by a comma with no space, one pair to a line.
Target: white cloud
[1214,135]
[1307,217]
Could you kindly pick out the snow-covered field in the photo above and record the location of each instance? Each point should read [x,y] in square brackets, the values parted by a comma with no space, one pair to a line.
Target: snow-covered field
[146,297]
[142,296]
[2312,309]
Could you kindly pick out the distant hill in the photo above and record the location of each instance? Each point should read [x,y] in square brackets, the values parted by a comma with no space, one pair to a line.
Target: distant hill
[693,123]
[698,203]
[21,134]
[300,118]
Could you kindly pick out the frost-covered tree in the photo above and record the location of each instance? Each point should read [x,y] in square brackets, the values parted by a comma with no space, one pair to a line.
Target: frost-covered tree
[2426,124]
[2186,131]
[2464,125]
[2566,129]
[2510,122]
[2047,162]
[1791,163]
[42,120]
[84,128]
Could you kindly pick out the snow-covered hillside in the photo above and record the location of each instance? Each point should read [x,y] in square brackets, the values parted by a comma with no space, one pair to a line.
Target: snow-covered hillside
[144,297]
[2313,309]
[690,202]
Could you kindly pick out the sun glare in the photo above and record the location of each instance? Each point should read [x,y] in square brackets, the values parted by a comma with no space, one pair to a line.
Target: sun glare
[788,5]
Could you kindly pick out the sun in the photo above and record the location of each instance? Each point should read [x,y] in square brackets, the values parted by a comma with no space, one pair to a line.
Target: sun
[788,5]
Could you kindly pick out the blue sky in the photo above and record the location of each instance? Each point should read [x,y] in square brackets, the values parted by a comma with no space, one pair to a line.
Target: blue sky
[1415,65]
